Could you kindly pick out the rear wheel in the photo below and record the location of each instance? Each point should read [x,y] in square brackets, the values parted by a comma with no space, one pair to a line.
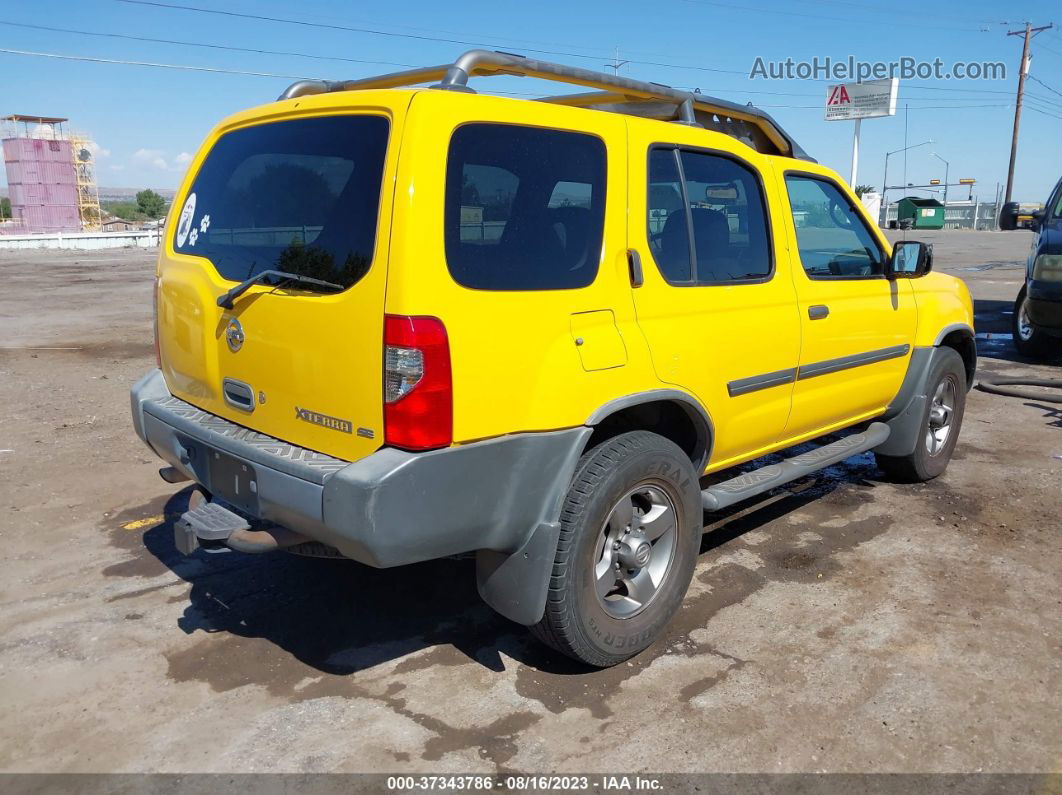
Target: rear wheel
[941,421]
[1029,340]
[630,532]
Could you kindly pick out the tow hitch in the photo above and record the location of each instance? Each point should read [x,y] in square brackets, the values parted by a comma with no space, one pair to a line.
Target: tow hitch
[223,529]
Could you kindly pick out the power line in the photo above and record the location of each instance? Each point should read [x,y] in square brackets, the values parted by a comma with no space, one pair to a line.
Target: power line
[1034,108]
[814,16]
[191,68]
[393,34]
[1041,82]
[202,44]
[124,62]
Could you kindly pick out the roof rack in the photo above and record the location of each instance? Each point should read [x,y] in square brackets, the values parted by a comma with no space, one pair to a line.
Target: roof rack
[617,94]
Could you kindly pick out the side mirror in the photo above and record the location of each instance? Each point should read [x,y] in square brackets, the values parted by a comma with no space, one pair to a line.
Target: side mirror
[910,259]
[1035,221]
[1008,217]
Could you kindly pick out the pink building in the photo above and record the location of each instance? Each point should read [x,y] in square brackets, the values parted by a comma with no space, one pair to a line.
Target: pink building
[41,175]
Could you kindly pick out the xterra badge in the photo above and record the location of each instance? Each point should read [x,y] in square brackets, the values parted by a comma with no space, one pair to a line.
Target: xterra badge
[333,423]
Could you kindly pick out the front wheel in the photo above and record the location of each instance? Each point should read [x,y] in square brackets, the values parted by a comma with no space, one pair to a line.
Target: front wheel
[630,533]
[941,421]
[1028,339]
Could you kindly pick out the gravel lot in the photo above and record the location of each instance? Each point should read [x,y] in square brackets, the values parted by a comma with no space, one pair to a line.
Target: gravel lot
[844,624]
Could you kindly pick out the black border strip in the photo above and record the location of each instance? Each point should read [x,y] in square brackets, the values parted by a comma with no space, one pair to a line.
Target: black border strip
[743,386]
[847,362]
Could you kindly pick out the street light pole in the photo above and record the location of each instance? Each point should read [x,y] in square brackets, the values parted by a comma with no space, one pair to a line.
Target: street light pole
[885,179]
[947,166]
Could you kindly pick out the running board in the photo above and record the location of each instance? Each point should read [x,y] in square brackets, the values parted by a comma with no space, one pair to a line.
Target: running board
[758,481]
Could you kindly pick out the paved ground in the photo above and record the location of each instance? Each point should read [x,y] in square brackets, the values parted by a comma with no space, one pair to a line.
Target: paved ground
[844,625]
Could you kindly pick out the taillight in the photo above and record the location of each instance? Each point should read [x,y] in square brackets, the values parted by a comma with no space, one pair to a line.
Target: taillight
[155,319]
[418,387]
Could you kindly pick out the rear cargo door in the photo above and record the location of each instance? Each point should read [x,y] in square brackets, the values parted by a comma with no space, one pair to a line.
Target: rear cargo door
[304,196]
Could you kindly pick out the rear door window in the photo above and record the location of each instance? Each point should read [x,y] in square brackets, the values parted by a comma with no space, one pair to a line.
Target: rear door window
[525,207]
[722,202]
[300,196]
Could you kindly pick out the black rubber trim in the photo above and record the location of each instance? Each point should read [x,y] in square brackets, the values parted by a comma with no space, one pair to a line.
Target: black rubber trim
[847,362]
[743,386]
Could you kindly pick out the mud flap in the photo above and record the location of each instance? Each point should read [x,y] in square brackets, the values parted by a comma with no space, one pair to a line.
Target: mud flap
[515,584]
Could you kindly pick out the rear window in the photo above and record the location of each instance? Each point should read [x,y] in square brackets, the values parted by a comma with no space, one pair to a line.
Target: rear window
[299,196]
[525,207]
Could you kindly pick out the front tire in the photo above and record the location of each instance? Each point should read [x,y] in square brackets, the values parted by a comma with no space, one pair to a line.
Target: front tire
[630,534]
[1028,339]
[941,421]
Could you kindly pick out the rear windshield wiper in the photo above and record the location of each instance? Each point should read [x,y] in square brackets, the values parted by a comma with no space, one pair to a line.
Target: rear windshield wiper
[226,299]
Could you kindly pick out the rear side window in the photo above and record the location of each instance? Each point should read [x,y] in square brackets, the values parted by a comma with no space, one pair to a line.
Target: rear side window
[707,219]
[525,207]
[300,196]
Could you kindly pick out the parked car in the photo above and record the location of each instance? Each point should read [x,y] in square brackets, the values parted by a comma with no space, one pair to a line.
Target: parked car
[402,324]
[1038,308]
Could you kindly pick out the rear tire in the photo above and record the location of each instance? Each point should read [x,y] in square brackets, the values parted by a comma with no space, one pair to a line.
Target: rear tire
[1029,340]
[941,422]
[630,534]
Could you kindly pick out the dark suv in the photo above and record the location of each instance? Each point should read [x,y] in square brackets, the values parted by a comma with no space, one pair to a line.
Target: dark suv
[1038,308]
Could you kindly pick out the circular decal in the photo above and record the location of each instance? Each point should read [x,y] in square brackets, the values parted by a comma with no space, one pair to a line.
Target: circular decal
[184,223]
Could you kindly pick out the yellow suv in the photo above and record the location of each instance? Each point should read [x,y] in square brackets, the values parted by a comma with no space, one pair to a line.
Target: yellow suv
[397,324]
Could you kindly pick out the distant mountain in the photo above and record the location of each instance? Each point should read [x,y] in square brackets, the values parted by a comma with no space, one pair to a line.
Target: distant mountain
[129,194]
[116,194]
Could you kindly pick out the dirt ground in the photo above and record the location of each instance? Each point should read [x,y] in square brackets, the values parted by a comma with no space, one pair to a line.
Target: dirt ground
[845,624]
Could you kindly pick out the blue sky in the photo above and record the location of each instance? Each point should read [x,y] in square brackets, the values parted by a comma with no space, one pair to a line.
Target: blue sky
[147,121]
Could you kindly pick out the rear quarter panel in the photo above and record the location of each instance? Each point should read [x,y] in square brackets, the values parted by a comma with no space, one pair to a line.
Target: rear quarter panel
[515,363]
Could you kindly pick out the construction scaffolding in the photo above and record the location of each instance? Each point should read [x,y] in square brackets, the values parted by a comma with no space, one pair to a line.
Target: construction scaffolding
[88,194]
[51,176]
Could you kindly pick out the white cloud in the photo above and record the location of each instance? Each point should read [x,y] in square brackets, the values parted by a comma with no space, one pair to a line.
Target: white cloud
[159,159]
[97,150]
[151,157]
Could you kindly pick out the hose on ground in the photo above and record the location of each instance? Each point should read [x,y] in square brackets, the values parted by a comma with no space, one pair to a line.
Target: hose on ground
[1005,386]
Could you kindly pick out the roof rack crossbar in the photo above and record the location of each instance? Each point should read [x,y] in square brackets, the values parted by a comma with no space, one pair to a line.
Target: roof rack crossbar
[483,63]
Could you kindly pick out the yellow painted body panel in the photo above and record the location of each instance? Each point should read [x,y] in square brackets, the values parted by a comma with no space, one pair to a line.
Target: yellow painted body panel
[544,360]
[703,337]
[516,365]
[864,315]
[320,352]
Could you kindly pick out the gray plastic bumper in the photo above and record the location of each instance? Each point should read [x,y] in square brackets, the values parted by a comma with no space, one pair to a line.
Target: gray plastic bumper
[392,507]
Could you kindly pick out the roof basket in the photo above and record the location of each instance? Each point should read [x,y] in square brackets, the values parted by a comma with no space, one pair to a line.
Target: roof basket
[616,94]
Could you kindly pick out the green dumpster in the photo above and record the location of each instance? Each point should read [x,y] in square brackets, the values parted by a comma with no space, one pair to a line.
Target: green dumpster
[921,213]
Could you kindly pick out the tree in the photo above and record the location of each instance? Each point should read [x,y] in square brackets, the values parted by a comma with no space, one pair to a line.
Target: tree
[5,208]
[150,203]
[861,189]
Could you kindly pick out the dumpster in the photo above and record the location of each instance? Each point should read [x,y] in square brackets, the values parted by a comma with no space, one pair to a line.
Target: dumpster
[920,213]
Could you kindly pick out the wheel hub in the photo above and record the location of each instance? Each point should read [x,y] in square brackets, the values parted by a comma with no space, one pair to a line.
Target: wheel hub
[635,550]
[938,427]
[634,553]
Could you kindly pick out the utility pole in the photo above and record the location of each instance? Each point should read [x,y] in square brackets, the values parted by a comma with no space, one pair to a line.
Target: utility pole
[1028,33]
[616,63]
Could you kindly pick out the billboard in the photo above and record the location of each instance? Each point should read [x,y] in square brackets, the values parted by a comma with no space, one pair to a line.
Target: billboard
[849,101]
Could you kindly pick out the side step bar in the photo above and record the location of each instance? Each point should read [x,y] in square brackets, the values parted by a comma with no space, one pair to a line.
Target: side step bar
[758,481]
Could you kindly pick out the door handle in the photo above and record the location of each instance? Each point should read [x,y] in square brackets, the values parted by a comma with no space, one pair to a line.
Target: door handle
[818,311]
[634,266]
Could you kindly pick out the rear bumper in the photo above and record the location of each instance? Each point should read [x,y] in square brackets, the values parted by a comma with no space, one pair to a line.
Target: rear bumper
[1045,305]
[388,509]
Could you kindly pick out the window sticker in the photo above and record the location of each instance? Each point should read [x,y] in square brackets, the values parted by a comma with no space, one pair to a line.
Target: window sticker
[184,225]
